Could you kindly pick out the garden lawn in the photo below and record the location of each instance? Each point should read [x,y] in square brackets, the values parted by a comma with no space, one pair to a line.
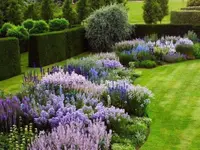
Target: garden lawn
[136,12]
[14,84]
[175,110]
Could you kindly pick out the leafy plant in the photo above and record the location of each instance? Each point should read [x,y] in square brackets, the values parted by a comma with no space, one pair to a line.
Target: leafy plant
[5,28]
[172,57]
[145,64]
[196,48]
[185,49]
[58,24]
[28,24]
[19,32]
[39,27]
[106,26]
[192,36]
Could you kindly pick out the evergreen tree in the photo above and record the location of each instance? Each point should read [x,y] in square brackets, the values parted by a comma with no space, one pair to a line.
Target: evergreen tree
[164,9]
[68,12]
[14,13]
[1,18]
[151,9]
[95,4]
[31,12]
[47,9]
[82,9]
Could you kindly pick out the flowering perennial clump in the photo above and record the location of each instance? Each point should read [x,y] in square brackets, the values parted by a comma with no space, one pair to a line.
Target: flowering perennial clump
[72,81]
[74,136]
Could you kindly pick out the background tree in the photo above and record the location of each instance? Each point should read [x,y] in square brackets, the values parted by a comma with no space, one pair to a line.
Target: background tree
[1,18]
[95,4]
[14,13]
[31,12]
[83,9]
[164,9]
[68,12]
[150,11]
[47,9]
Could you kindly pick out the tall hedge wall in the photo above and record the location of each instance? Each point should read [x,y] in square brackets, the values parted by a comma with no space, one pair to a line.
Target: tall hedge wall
[9,58]
[48,48]
[75,41]
[185,17]
[142,30]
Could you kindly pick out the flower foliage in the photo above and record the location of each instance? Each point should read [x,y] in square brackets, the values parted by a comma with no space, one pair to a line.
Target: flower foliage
[74,136]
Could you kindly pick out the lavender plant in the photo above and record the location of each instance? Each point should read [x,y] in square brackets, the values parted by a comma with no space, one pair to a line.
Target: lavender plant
[74,136]
[134,99]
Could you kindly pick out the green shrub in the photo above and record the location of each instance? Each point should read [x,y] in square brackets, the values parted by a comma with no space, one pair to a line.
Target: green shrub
[125,58]
[46,48]
[185,17]
[75,41]
[192,36]
[185,49]
[39,27]
[145,55]
[193,3]
[5,28]
[19,32]
[28,24]
[106,26]
[9,58]
[159,52]
[118,146]
[58,24]
[145,64]
[196,49]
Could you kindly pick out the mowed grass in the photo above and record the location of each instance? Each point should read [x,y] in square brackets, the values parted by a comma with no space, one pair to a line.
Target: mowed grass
[175,110]
[136,12]
[13,85]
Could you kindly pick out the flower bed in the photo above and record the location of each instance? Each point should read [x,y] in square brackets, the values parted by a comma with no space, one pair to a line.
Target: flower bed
[151,51]
[88,104]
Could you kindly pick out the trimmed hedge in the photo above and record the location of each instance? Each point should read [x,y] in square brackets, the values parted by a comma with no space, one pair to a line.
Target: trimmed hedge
[75,41]
[142,30]
[191,8]
[9,58]
[48,48]
[185,17]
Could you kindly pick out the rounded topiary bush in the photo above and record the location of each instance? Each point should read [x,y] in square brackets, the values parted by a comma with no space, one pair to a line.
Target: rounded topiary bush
[19,32]
[5,28]
[28,24]
[106,26]
[193,3]
[39,27]
[58,24]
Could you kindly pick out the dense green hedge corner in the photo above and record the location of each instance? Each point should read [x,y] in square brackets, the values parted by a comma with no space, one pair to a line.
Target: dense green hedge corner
[47,48]
[75,41]
[9,58]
